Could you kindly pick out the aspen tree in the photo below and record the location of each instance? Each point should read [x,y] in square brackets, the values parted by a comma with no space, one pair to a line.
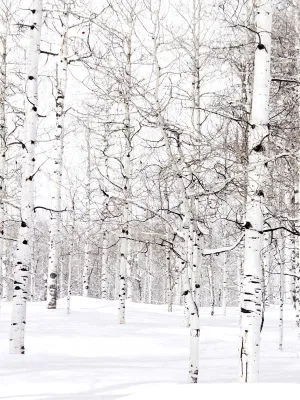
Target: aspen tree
[127,130]
[70,261]
[87,245]
[296,4]
[57,160]
[266,259]
[149,269]
[23,253]
[169,279]
[281,257]
[252,283]
[104,292]
[3,149]
[211,280]
[224,291]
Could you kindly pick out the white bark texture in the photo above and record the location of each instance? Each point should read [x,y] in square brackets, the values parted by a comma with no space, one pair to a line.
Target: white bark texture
[104,293]
[224,291]
[297,189]
[57,160]
[169,279]
[281,288]
[150,273]
[23,254]
[3,149]
[124,244]
[87,267]
[4,267]
[129,269]
[70,262]
[211,280]
[252,283]
[126,179]
[266,269]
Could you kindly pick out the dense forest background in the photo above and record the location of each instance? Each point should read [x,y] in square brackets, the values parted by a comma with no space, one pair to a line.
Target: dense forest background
[145,145]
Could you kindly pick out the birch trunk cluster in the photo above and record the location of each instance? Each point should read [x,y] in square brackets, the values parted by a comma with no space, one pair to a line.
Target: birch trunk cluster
[168,175]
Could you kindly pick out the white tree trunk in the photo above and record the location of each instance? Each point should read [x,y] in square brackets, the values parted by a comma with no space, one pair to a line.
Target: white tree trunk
[45,279]
[211,282]
[32,267]
[129,268]
[124,243]
[3,150]
[126,178]
[4,266]
[252,282]
[281,291]
[194,323]
[104,293]
[149,272]
[290,270]
[70,263]
[266,269]
[198,245]
[179,285]
[57,161]
[23,254]
[87,266]
[169,279]
[224,291]
[297,242]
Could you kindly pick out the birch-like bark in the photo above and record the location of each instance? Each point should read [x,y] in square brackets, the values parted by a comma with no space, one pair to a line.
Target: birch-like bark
[196,99]
[126,180]
[169,279]
[4,266]
[32,267]
[198,245]
[252,283]
[3,150]
[211,287]
[179,284]
[194,323]
[246,101]
[189,266]
[186,314]
[87,267]
[23,254]
[45,287]
[297,188]
[265,272]
[224,291]
[289,269]
[129,269]
[104,292]
[57,161]
[297,247]
[70,261]
[240,273]
[150,274]
[281,289]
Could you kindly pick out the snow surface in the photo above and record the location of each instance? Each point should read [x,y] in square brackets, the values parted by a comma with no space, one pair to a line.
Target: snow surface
[87,355]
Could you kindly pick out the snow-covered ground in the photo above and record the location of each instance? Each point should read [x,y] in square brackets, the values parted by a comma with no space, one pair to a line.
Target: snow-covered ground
[87,355]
